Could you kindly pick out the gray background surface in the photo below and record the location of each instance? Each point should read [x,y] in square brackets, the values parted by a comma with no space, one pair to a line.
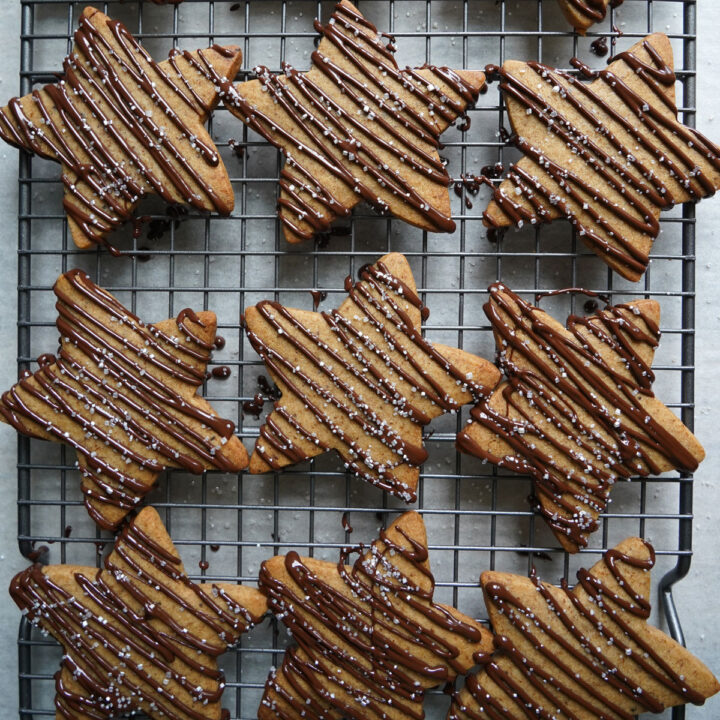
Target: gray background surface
[697,596]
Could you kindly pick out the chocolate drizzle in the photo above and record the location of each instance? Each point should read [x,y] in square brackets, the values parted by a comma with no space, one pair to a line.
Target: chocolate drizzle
[576,653]
[369,636]
[120,393]
[631,157]
[574,412]
[376,140]
[116,124]
[137,635]
[593,10]
[365,376]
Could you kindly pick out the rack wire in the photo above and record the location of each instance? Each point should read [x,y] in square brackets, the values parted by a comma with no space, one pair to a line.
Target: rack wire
[223,525]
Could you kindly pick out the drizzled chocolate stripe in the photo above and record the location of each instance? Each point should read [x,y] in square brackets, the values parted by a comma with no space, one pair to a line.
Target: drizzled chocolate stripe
[644,135]
[340,138]
[398,641]
[594,10]
[133,655]
[580,676]
[379,300]
[110,393]
[105,172]
[568,378]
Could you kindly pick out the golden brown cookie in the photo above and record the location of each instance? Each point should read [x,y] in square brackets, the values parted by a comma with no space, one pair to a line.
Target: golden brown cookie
[609,155]
[355,127]
[361,379]
[123,394]
[123,126]
[370,639]
[581,654]
[139,635]
[581,14]
[577,412]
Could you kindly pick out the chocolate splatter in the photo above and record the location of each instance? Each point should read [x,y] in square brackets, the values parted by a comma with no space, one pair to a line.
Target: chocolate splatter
[468,185]
[539,554]
[493,172]
[238,149]
[318,296]
[145,257]
[269,390]
[38,554]
[323,238]
[221,372]
[157,227]
[255,406]
[137,225]
[599,47]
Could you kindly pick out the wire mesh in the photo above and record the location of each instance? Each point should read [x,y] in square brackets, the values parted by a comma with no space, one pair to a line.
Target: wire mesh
[223,525]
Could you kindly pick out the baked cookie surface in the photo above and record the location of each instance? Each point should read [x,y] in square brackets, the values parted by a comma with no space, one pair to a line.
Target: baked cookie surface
[609,155]
[361,379]
[357,128]
[124,126]
[124,395]
[370,639]
[577,412]
[583,653]
[138,635]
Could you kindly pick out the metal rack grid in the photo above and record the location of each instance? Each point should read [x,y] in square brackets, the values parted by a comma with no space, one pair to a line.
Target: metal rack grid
[477,517]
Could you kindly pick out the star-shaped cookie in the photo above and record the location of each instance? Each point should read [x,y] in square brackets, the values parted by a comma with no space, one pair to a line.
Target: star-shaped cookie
[123,394]
[355,127]
[361,379]
[370,639]
[609,155]
[123,126]
[139,635]
[583,653]
[581,14]
[577,412]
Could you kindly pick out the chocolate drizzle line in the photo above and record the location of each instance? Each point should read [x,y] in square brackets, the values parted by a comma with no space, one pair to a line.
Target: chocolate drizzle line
[403,104]
[127,626]
[585,398]
[594,10]
[648,130]
[378,641]
[379,300]
[105,173]
[589,629]
[573,291]
[108,394]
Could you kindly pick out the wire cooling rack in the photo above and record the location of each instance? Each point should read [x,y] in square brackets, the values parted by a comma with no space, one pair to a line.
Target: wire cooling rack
[224,526]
